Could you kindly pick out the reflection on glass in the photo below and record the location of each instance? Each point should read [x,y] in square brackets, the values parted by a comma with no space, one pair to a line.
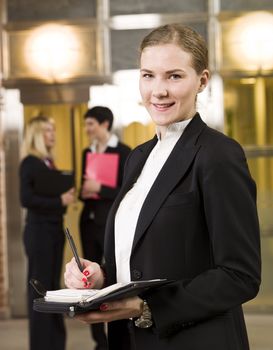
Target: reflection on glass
[249,110]
[261,169]
[249,120]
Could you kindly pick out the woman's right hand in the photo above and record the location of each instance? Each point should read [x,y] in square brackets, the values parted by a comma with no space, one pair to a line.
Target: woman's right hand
[92,275]
[68,197]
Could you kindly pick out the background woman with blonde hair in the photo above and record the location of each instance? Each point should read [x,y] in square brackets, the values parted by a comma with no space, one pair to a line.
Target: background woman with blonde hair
[43,233]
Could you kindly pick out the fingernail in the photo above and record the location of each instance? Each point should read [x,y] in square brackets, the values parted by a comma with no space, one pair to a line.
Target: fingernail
[86,273]
[87,285]
[104,307]
[84,279]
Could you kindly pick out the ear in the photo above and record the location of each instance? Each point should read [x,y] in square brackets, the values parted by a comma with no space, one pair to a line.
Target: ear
[105,124]
[204,79]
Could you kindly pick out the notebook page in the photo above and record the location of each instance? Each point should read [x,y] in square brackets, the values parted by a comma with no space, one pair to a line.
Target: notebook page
[70,295]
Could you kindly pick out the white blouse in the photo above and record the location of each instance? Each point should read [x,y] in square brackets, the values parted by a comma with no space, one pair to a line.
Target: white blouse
[130,207]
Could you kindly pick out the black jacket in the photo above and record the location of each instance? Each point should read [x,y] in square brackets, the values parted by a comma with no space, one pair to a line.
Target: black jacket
[199,227]
[38,206]
[99,208]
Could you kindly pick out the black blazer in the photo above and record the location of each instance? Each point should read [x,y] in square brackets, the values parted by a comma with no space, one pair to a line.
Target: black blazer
[199,227]
[49,208]
[100,207]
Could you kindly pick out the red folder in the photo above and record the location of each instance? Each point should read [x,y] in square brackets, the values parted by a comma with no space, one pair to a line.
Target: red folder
[103,167]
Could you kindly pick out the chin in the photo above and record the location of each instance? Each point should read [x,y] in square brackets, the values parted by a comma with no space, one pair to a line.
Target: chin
[162,122]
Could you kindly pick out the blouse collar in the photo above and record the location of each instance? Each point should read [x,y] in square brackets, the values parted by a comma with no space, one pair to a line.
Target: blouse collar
[174,130]
[112,142]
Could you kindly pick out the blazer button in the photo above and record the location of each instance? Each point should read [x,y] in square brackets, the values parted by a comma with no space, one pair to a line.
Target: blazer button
[136,274]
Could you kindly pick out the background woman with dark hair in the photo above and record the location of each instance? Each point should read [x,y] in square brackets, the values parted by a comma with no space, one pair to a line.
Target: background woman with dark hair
[98,124]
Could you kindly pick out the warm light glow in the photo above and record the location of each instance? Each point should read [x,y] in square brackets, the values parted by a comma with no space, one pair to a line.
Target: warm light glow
[52,52]
[250,41]
[141,21]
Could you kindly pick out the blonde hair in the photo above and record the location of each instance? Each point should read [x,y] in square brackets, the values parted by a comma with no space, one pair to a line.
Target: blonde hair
[33,142]
[184,37]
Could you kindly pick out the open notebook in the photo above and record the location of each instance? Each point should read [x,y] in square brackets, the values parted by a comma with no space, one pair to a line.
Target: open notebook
[75,301]
[80,295]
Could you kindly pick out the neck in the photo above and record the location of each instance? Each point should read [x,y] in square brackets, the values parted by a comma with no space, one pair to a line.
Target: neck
[162,129]
[49,154]
[102,141]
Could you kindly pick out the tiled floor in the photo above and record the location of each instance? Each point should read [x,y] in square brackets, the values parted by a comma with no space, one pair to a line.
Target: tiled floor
[13,334]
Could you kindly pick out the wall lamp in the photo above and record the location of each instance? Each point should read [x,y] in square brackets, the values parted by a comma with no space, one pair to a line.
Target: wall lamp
[52,52]
[250,41]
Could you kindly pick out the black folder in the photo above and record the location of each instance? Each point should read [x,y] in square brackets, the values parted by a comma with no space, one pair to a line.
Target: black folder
[129,290]
[53,182]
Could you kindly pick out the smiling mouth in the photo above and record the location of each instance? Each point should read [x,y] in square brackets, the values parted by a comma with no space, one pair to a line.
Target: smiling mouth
[163,106]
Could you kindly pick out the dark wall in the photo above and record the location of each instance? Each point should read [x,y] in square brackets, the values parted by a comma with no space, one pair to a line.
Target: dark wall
[126,7]
[38,10]
[125,44]
[246,5]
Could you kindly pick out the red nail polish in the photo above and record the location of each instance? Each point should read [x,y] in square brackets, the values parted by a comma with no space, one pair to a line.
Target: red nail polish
[84,279]
[104,307]
[86,273]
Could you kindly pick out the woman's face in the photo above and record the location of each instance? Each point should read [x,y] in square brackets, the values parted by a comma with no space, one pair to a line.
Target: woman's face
[49,135]
[169,84]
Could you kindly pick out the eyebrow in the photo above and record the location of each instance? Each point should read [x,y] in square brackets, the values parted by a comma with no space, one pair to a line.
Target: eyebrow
[168,72]
[175,70]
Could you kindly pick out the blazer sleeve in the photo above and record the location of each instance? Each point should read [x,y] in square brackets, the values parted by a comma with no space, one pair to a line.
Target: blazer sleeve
[29,199]
[228,202]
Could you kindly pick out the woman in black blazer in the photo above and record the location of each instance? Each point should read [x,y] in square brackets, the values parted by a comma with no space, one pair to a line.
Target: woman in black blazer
[98,125]
[43,233]
[186,212]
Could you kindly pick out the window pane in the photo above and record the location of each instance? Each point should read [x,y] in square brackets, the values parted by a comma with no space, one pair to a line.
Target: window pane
[249,110]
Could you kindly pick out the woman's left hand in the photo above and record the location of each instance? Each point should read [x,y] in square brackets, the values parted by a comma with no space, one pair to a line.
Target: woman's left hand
[114,310]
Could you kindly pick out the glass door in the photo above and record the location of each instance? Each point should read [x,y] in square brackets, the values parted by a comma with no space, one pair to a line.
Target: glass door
[249,119]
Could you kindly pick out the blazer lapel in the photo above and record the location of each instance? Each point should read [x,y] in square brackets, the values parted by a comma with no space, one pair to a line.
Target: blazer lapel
[135,166]
[138,161]
[172,172]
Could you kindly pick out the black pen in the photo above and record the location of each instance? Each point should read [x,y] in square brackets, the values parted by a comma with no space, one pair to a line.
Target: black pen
[73,248]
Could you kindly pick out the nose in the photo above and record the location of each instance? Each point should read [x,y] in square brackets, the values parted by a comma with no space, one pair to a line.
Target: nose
[160,89]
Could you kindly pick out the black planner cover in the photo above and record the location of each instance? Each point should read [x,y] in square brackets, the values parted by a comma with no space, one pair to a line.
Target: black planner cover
[129,290]
[53,182]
